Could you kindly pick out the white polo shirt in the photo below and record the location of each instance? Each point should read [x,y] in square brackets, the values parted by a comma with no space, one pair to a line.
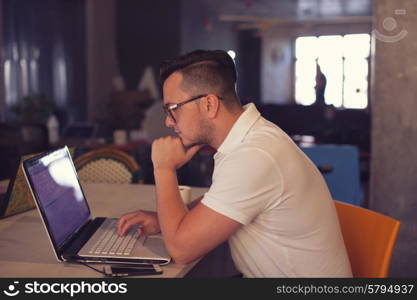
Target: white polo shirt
[262,180]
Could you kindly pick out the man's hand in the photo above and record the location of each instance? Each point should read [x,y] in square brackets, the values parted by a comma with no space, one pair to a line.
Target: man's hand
[170,153]
[147,219]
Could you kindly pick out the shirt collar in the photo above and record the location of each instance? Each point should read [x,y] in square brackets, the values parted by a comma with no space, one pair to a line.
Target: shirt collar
[239,130]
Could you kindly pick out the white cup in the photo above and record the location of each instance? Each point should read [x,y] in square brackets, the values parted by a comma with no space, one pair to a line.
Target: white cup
[185,192]
[120,137]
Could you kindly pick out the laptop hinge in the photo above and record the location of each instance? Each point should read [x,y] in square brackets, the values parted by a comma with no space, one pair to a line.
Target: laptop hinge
[81,238]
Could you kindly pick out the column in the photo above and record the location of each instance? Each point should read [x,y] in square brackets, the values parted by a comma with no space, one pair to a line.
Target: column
[393,184]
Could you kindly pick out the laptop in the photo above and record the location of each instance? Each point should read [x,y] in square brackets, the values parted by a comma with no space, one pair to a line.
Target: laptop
[15,196]
[74,235]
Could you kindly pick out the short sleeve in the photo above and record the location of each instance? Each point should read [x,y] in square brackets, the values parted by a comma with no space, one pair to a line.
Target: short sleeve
[244,184]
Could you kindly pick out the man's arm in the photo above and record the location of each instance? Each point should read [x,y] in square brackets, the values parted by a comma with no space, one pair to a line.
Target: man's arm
[187,234]
[147,219]
[194,203]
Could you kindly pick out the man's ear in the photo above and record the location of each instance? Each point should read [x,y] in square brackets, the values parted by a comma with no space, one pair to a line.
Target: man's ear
[212,105]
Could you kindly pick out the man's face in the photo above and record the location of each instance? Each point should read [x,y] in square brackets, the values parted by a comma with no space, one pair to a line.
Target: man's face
[189,124]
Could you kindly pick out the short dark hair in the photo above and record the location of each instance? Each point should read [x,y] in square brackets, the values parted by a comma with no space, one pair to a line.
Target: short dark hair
[206,71]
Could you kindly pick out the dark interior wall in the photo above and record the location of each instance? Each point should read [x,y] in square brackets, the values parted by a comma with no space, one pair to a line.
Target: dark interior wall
[202,29]
[147,32]
[48,36]
[102,65]
[248,63]
[2,100]
[168,29]
[277,66]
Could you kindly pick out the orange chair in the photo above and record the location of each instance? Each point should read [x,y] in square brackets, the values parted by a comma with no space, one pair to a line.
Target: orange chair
[108,165]
[369,238]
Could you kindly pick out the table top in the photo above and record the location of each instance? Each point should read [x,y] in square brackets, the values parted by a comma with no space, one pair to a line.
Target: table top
[25,250]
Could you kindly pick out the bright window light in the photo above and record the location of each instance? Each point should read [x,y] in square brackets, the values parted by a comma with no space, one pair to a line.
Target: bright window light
[232,54]
[344,60]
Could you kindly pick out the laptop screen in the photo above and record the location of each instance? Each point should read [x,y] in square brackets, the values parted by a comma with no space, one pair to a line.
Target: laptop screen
[56,186]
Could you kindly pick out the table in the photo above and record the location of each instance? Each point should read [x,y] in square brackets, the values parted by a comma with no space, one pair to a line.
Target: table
[25,250]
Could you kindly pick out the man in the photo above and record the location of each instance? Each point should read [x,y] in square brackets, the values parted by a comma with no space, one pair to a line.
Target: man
[267,198]
[320,87]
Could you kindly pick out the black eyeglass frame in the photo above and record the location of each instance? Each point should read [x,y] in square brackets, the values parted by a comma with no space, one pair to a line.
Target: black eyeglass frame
[169,108]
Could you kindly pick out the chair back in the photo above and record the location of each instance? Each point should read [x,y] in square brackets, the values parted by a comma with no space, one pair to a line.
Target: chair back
[339,165]
[369,239]
[108,165]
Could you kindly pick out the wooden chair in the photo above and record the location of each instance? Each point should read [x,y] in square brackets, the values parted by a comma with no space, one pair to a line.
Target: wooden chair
[108,165]
[369,238]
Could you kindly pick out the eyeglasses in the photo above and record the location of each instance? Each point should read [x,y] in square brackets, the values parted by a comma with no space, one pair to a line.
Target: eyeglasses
[169,108]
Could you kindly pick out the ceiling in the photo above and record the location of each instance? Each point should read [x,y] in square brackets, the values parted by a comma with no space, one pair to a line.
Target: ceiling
[296,8]
[289,10]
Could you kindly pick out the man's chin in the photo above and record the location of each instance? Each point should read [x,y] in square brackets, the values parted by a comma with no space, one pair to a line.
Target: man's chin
[189,145]
[184,142]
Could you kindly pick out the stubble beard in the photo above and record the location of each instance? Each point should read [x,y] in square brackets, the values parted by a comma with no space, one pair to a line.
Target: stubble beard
[204,137]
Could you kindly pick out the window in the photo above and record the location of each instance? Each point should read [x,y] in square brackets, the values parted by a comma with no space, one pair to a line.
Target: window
[344,62]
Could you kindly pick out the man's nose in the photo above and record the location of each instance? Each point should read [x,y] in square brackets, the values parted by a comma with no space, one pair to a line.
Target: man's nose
[169,122]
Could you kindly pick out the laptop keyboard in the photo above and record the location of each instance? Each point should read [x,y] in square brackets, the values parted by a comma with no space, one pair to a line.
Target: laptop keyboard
[110,243]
